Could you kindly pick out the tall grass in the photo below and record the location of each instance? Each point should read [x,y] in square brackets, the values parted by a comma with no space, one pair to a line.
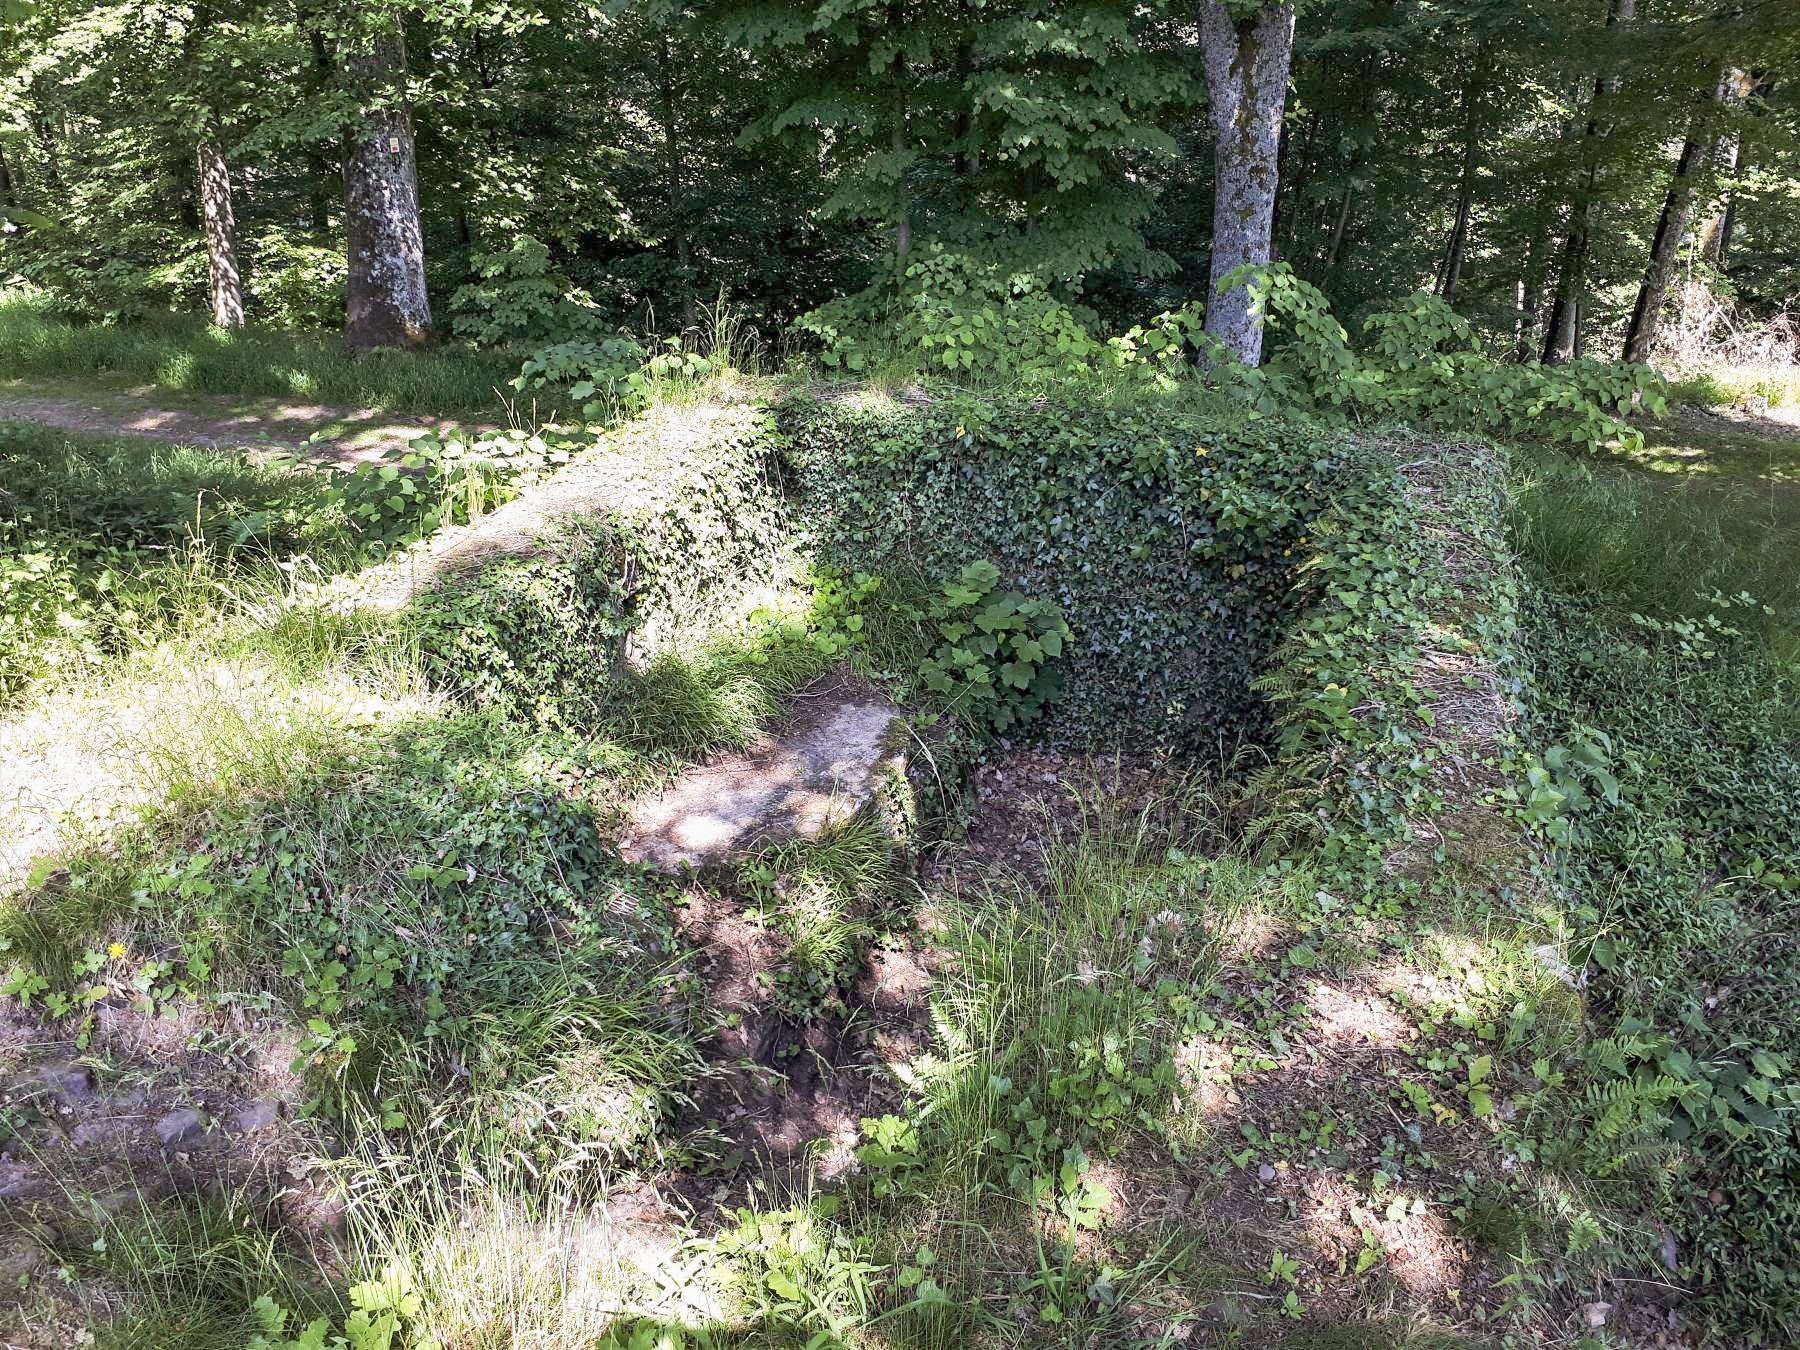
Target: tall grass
[1607,532]
[188,356]
[1725,386]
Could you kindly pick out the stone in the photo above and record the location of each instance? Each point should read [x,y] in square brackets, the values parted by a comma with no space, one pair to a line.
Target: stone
[818,775]
[102,1130]
[71,1082]
[17,1262]
[260,1114]
[179,1126]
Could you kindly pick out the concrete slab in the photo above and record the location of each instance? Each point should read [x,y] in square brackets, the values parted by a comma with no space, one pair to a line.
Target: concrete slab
[819,772]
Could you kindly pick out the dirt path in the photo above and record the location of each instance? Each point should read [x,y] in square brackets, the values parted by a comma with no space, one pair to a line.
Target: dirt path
[332,436]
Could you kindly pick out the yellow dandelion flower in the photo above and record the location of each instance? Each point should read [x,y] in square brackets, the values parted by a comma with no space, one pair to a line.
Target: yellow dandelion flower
[116,950]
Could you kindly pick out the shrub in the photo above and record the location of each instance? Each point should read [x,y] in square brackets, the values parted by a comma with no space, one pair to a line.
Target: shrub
[407,888]
[519,297]
[1687,860]
[1419,361]
[294,281]
[617,374]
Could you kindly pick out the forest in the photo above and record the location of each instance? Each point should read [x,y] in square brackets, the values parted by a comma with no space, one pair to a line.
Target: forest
[868,675]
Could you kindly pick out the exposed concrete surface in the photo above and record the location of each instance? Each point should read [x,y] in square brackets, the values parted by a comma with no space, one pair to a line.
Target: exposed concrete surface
[819,773]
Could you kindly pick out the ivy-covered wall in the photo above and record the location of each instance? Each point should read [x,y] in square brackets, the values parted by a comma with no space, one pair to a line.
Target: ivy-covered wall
[1397,688]
[1169,537]
[647,540]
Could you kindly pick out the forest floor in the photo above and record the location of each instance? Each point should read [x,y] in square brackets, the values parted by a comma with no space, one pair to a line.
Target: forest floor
[1726,445]
[1072,1066]
[316,432]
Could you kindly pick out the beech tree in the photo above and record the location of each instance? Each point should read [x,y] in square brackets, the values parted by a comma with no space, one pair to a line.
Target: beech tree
[224,285]
[1562,337]
[386,301]
[224,282]
[1246,51]
[1698,151]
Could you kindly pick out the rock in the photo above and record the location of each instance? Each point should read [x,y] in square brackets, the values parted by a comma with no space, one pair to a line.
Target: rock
[102,1130]
[1228,1312]
[261,1114]
[1265,1173]
[179,1126]
[71,1082]
[1594,1314]
[17,1261]
[1550,957]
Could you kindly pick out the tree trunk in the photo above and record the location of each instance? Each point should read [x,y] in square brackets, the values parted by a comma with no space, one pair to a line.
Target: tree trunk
[1665,252]
[677,195]
[902,208]
[1561,334]
[1715,234]
[1457,249]
[1721,253]
[1531,288]
[223,283]
[1697,152]
[1337,232]
[1246,63]
[187,205]
[897,141]
[1286,229]
[1716,237]
[46,142]
[386,245]
[8,194]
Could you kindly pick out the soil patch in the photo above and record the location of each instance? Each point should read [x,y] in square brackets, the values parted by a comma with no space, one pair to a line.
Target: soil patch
[173,1101]
[787,1095]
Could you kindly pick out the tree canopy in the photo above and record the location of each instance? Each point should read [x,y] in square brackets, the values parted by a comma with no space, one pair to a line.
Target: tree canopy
[1542,165]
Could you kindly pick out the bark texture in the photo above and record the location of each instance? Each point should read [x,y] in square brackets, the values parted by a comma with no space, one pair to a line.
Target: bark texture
[224,284]
[1715,236]
[318,76]
[387,304]
[1531,288]
[1665,249]
[1698,152]
[684,260]
[1246,63]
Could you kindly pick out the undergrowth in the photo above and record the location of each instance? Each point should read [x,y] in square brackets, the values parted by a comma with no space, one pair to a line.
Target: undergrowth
[1666,654]
[1478,952]
[187,355]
